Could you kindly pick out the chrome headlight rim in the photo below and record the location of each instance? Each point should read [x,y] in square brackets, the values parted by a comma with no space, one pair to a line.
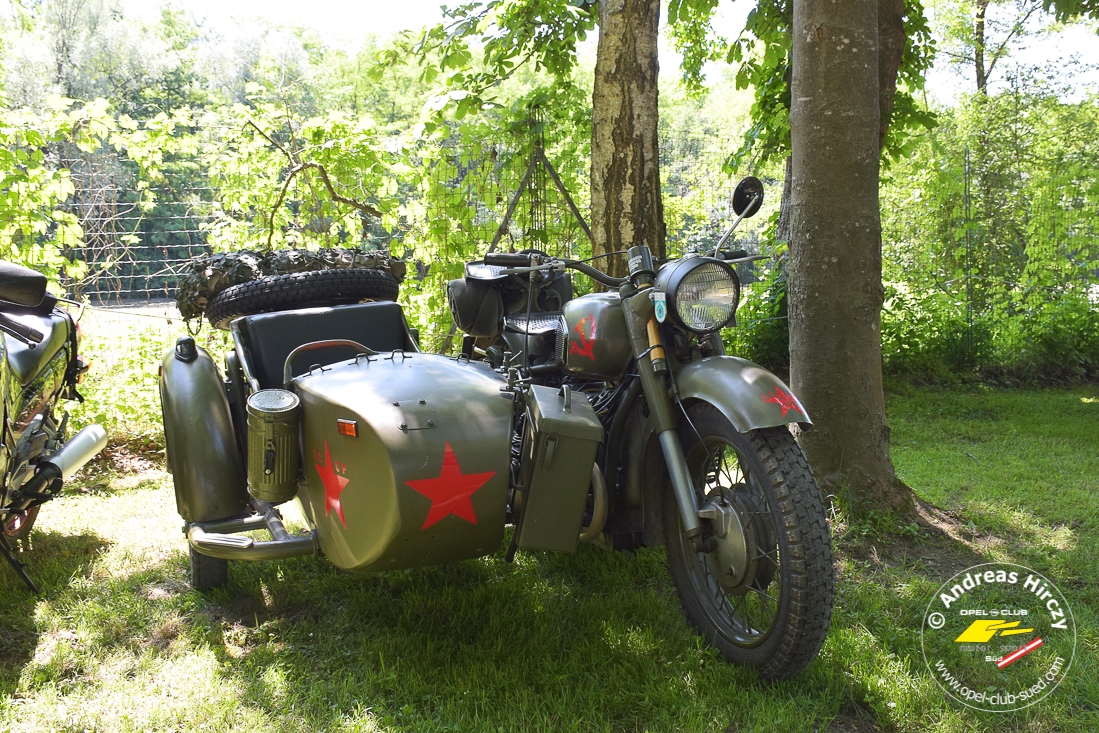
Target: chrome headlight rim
[671,278]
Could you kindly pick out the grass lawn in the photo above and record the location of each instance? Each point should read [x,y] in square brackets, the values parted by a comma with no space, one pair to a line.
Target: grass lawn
[594,642]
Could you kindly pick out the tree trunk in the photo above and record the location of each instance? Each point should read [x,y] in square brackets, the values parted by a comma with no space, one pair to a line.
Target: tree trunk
[626,205]
[836,293]
[891,41]
[979,47]
[782,226]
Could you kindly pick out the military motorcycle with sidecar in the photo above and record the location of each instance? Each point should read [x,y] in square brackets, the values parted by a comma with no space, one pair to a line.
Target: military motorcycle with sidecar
[613,418]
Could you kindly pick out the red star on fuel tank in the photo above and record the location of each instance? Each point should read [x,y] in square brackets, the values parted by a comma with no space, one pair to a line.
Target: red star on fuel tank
[450,492]
[333,485]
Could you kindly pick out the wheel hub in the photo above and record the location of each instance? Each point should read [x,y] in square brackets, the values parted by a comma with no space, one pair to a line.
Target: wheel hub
[731,562]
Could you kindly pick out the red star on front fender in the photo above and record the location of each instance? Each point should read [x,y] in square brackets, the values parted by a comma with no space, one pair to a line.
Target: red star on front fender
[785,400]
[333,485]
[450,492]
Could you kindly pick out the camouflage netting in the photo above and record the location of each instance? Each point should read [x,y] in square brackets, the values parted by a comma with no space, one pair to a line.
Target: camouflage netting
[207,275]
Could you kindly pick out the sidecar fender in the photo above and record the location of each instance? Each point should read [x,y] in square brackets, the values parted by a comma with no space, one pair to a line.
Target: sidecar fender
[747,394]
[199,438]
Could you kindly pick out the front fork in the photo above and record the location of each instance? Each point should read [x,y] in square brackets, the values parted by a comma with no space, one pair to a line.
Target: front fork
[652,367]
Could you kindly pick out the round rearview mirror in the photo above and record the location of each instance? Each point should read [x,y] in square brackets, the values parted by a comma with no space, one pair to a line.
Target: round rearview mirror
[748,197]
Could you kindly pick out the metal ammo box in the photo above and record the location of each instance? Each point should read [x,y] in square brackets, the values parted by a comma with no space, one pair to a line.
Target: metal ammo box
[561,445]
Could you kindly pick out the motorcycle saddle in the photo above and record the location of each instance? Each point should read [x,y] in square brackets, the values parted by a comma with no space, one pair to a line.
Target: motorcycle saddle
[25,362]
[270,337]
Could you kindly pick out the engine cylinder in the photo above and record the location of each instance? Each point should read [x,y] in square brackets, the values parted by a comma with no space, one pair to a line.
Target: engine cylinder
[273,455]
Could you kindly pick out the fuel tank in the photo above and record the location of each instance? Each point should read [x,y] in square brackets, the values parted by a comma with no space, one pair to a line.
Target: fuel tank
[406,459]
[598,344]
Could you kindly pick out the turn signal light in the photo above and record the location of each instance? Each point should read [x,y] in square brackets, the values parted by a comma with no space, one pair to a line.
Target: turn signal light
[348,427]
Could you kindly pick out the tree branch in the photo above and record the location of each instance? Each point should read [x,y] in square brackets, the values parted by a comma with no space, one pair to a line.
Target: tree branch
[997,54]
[360,206]
[271,140]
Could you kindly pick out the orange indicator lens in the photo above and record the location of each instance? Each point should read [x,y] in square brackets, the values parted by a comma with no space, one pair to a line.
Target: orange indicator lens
[348,427]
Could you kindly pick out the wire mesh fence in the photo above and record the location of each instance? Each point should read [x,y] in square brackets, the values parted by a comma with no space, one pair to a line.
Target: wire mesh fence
[484,191]
[477,193]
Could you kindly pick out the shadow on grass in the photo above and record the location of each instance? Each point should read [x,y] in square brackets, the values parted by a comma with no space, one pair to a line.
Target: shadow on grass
[52,560]
[592,642]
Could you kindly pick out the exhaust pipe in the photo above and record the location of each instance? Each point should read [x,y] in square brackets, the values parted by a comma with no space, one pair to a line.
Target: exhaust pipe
[81,448]
[59,467]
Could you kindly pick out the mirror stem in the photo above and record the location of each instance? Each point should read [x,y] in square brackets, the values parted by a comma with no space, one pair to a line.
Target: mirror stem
[738,220]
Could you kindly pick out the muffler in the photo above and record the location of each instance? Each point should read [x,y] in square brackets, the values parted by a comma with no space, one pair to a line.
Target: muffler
[59,467]
[81,448]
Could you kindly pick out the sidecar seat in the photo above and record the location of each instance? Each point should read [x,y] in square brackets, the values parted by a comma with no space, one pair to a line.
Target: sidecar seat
[267,339]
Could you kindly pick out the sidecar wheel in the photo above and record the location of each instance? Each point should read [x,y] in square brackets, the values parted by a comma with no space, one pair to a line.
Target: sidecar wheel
[208,573]
[300,290]
[17,528]
[764,595]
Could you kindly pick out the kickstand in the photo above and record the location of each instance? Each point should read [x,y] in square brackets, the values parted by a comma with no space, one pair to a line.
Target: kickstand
[5,549]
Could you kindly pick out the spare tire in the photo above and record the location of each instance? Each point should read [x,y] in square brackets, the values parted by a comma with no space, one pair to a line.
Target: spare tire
[300,290]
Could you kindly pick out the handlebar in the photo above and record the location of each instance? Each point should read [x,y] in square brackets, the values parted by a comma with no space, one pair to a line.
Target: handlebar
[523,262]
[600,277]
[507,259]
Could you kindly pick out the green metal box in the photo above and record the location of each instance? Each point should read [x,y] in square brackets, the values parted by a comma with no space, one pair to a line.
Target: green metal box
[563,436]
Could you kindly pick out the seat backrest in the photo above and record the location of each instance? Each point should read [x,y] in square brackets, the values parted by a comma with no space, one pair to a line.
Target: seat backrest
[269,338]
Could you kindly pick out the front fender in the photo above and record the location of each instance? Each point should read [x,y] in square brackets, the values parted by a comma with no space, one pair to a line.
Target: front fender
[747,394]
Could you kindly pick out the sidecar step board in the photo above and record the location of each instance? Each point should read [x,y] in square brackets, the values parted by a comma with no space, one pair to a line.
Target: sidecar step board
[232,547]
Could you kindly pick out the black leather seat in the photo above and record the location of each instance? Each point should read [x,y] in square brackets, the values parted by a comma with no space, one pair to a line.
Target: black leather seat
[25,362]
[270,337]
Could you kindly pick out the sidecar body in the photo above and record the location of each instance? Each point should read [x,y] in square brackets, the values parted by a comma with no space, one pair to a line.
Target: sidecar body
[398,458]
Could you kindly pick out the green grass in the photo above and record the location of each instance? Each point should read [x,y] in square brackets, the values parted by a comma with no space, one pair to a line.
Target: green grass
[594,642]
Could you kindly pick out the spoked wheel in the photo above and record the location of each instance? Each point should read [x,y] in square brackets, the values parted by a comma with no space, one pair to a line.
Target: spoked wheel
[18,527]
[762,593]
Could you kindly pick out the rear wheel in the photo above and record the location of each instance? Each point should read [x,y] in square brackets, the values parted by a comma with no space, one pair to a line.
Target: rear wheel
[17,527]
[763,592]
[300,290]
[208,573]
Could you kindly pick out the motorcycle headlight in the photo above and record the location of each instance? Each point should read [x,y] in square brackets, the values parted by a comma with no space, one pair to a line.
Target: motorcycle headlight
[702,293]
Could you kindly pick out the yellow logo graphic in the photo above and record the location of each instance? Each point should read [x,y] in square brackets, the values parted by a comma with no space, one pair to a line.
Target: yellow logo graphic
[979,632]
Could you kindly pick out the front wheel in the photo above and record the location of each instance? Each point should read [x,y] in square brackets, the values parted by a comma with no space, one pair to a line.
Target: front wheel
[762,592]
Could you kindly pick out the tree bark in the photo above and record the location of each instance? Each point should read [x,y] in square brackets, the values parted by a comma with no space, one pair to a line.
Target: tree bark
[782,226]
[835,291]
[626,204]
[891,41]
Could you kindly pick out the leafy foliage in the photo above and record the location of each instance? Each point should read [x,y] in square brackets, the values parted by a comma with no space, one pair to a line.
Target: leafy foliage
[990,239]
[762,56]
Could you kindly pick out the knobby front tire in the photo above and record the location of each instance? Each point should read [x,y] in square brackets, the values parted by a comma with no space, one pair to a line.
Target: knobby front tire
[778,616]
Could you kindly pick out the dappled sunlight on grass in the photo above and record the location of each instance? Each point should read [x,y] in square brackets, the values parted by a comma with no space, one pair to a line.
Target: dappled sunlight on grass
[590,642]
